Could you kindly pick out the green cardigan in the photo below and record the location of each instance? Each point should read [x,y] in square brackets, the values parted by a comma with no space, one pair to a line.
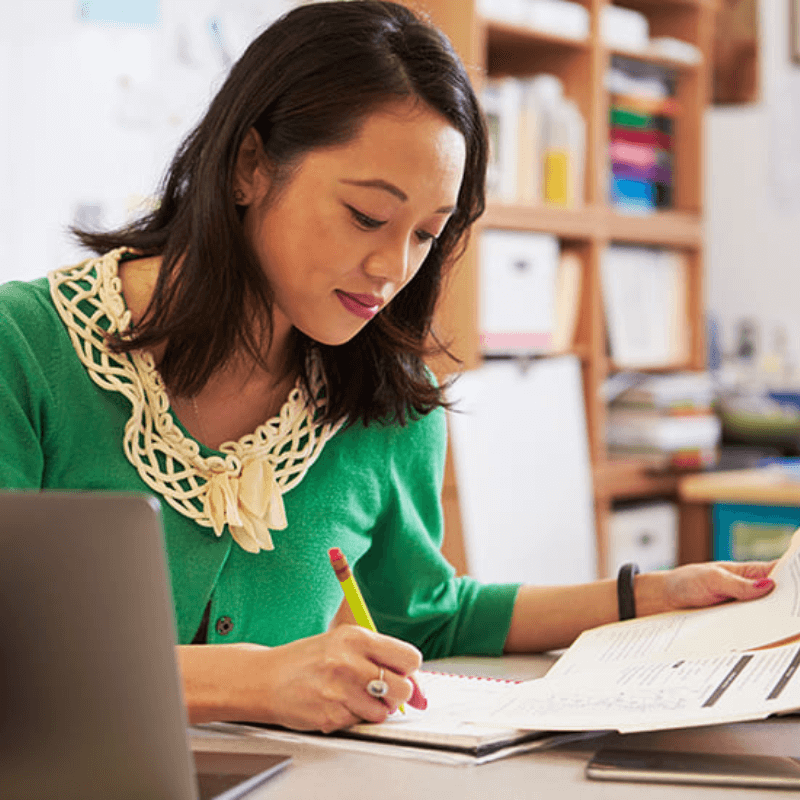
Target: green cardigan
[373,491]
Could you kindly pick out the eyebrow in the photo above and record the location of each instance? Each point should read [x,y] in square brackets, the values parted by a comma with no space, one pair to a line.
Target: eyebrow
[378,183]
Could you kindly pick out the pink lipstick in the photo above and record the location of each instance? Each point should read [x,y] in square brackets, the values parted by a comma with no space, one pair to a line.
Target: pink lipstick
[365,306]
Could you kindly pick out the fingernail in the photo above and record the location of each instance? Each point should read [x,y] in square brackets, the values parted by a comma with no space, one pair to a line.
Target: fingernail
[417,699]
[763,583]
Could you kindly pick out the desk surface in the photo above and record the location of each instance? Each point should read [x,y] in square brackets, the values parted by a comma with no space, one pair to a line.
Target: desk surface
[320,771]
[765,487]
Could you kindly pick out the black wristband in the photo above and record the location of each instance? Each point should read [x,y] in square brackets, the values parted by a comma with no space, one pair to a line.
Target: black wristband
[625,599]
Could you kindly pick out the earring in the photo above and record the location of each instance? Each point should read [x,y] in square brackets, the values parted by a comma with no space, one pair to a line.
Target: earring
[238,197]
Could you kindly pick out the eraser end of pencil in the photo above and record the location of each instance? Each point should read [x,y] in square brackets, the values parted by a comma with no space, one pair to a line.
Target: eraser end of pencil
[335,554]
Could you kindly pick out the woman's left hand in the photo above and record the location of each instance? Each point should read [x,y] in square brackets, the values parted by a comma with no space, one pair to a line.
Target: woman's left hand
[699,585]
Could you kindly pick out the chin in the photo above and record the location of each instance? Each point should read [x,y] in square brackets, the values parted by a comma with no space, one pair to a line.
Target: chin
[331,339]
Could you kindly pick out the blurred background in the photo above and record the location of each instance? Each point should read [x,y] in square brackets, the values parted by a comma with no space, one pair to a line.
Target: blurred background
[629,302]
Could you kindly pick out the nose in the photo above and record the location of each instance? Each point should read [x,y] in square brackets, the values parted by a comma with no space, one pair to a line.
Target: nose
[390,262]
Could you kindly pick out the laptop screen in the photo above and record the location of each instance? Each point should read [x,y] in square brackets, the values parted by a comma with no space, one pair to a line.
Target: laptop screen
[90,696]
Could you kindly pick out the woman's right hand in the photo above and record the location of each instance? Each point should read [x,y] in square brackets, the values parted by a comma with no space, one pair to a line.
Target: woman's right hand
[316,683]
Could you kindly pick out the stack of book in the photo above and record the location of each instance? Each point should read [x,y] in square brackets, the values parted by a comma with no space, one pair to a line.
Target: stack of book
[642,120]
[666,420]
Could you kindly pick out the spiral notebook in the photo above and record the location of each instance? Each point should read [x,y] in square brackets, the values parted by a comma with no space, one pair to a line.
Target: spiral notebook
[451,700]
[440,733]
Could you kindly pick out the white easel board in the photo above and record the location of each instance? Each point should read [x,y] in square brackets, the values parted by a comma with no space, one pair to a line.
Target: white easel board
[521,458]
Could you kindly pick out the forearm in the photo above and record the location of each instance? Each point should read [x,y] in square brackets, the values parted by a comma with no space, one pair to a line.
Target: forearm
[207,672]
[313,683]
[550,617]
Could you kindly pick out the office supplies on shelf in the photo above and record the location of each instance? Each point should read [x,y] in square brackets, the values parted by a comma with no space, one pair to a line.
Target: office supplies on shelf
[563,147]
[684,441]
[667,420]
[521,459]
[87,710]
[683,392]
[537,141]
[496,50]
[518,291]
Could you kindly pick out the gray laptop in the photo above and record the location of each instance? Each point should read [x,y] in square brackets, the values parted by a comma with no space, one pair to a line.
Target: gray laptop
[90,697]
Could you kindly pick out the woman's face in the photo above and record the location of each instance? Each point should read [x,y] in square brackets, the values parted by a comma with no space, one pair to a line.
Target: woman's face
[354,222]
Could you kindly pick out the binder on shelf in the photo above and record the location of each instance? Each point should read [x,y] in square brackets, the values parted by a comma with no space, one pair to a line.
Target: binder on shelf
[529,168]
[517,292]
[501,104]
[645,297]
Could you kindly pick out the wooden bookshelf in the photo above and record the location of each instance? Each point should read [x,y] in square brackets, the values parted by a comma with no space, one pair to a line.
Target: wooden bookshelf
[491,48]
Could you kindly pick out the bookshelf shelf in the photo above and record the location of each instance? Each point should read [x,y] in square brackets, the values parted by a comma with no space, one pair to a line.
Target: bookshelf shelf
[664,228]
[647,5]
[571,224]
[612,367]
[655,58]
[512,37]
[494,49]
[628,479]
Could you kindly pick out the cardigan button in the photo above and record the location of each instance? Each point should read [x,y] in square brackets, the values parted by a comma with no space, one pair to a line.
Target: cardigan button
[224,626]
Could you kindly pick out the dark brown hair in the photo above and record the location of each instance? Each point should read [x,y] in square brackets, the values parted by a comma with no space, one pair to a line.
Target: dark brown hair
[307,81]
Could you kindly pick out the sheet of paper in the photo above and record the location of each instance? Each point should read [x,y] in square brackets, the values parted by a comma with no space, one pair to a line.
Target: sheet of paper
[721,629]
[451,700]
[650,695]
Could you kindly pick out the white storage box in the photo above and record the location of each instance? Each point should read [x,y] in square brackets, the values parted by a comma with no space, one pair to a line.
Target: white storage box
[517,292]
[624,28]
[646,534]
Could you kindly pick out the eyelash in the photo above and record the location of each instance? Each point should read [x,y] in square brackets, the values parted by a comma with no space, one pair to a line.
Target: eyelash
[370,224]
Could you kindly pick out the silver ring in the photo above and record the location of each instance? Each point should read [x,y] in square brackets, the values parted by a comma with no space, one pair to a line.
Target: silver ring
[378,687]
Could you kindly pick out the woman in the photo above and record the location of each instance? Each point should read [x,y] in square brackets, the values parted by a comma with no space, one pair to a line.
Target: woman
[290,274]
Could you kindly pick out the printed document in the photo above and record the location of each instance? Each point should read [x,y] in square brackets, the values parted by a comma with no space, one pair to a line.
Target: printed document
[733,662]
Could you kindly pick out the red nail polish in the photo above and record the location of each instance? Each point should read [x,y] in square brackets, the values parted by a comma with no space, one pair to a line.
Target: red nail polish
[763,583]
[417,699]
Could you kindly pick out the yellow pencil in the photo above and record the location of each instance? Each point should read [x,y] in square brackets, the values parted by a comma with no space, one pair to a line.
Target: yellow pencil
[352,593]
[350,588]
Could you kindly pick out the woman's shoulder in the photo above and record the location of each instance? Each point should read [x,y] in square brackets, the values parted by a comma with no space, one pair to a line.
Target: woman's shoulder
[26,303]
[418,433]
